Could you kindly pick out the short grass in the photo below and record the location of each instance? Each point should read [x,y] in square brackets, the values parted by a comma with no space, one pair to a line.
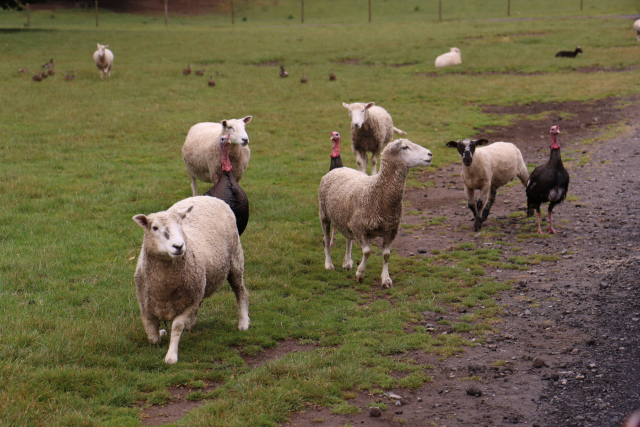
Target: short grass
[79,159]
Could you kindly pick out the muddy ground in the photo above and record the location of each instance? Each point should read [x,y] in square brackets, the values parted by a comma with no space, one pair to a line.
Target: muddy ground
[569,337]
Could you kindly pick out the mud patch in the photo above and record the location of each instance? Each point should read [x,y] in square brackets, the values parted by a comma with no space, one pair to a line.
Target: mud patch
[347,61]
[175,410]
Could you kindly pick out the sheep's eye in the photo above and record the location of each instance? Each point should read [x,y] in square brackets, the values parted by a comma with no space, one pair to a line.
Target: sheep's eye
[230,128]
[155,228]
[406,147]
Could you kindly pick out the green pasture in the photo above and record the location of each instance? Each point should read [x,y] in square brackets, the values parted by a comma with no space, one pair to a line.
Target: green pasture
[78,159]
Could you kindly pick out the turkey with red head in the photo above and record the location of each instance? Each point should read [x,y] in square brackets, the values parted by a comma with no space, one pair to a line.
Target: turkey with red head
[548,183]
[228,190]
[336,162]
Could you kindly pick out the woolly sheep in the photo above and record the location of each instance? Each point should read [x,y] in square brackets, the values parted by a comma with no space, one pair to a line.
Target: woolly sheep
[487,169]
[201,150]
[636,26]
[103,58]
[364,207]
[371,130]
[454,57]
[187,253]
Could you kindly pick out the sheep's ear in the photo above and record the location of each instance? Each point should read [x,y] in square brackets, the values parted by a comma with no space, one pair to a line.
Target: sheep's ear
[395,148]
[369,105]
[183,212]
[247,119]
[98,45]
[452,144]
[481,142]
[224,124]
[142,220]
[345,105]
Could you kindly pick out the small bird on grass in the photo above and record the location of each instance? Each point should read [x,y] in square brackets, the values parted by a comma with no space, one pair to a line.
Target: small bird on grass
[332,77]
[304,78]
[23,71]
[187,70]
[283,73]
[212,82]
[37,77]
[201,72]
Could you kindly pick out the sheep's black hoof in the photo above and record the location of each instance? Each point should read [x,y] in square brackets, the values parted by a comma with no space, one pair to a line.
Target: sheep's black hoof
[477,226]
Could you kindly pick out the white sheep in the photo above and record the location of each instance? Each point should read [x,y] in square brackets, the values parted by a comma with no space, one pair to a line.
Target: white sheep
[371,130]
[201,150]
[636,26]
[454,57]
[364,207]
[103,58]
[187,253]
[487,169]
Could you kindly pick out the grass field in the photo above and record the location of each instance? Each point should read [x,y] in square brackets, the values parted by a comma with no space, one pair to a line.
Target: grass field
[78,159]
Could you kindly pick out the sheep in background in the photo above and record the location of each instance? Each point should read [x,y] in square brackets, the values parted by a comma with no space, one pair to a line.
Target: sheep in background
[371,130]
[454,57]
[201,150]
[636,26]
[364,207]
[487,169]
[187,253]
[103,58]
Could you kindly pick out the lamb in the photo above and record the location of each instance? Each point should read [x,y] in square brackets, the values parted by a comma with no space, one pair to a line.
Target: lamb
[454,57]
[187,253]
[365,207]
[487,169]
[636,26]
[103,58]
[201,150]
[371,130]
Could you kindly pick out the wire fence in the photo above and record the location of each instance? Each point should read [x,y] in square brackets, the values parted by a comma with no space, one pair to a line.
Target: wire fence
[327,12]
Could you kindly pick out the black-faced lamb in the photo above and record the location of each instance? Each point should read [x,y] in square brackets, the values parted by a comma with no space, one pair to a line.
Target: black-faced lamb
[201,150]
[103,58]
[487,169]
[569,53]
[187,253]
[364,207]
[371,130]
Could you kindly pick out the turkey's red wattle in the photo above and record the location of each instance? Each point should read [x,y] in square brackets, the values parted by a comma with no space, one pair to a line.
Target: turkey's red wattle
[226,163]
[335,151]
[554,142]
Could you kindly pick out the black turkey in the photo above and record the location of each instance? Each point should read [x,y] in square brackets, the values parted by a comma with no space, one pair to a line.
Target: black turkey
[548,183]
[228,190]
[336,162]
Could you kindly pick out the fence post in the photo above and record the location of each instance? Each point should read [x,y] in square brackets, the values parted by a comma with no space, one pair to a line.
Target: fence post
[369,11]
[580,5]
[440,10]
[233,18]
[302,11]
[28,16]
[166,12]
[96,13]
[508,7]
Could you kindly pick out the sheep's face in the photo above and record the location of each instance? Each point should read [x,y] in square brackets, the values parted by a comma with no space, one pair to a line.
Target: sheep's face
[413,155]
[163,233]
[358,112]
[236,130]
[466,148]
[456,50]
[101,49]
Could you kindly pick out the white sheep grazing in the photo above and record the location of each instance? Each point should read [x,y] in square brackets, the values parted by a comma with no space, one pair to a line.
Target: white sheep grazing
[371,130]
[487,169]
[201,150]
[454,57]
[364,207]
[636,26]
[103,58]
[187,253]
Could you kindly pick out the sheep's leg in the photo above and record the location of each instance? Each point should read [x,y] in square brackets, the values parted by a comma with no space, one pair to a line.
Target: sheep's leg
[333,235]
[366,251]
[152,328]
[361,160]
[184,320]
[470,202]
[489,204]
[386,253]
[347,262]
[194,186]
[236,281]
[326,235]
[374,162]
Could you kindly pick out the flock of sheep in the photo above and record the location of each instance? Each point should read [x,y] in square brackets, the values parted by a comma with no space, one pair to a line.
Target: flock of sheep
[190,249]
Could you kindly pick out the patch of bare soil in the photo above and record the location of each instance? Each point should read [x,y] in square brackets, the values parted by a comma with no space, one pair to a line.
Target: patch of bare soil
[566,352]
[175,410]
